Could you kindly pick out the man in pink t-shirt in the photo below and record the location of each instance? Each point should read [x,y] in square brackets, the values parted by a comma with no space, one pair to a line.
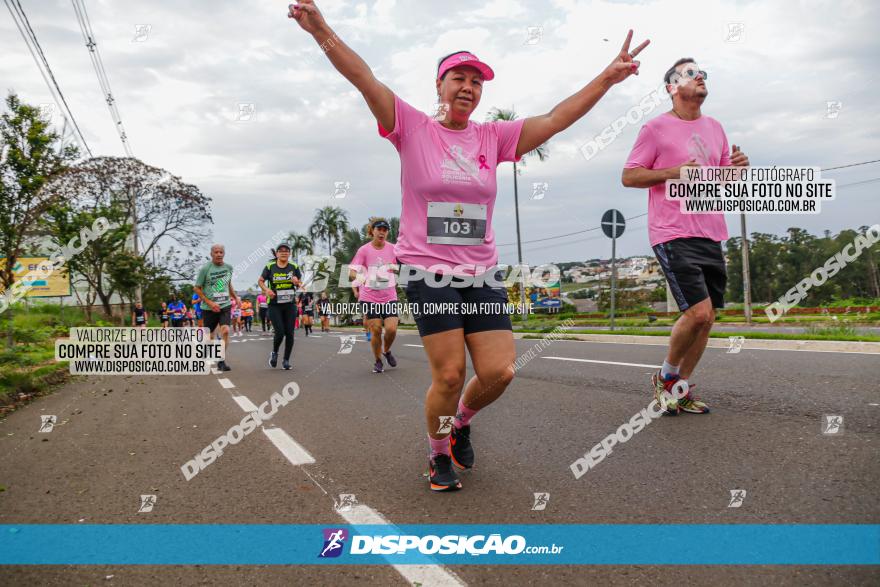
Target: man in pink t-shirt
[446,244]
[688,246]
[372,281]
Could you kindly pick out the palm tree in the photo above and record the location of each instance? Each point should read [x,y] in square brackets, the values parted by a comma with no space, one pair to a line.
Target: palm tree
[329,224]
[300,243]
[542,153]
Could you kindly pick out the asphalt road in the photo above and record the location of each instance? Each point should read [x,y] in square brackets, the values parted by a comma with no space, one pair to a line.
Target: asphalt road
[120,437]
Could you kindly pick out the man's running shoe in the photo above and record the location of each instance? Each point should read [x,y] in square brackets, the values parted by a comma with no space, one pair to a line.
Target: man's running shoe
[285,364]
[442,475]
[392,362]
[692,404]
[273,360]
[665,392]
[461,448]
[223,366]
[378,367]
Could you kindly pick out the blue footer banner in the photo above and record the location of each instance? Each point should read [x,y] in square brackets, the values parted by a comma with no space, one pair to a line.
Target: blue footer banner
[448,544]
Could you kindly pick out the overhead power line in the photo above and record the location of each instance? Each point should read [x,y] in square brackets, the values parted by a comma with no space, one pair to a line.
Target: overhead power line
[537,240]
[85,27]
[851,165]
[36,50]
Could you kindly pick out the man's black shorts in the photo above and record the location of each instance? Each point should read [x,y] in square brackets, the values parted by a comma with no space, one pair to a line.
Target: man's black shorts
[374,310]
[423,299]
[695,270]
[214,319]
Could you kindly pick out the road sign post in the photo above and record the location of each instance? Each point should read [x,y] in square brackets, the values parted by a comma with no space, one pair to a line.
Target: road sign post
[613,225]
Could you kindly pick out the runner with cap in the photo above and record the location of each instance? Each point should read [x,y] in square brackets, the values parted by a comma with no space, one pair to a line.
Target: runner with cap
[279,281]
[448,184]
[372,281]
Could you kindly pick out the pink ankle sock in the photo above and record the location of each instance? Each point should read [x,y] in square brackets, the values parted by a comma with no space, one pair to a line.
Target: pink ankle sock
[439,445]
[464,415]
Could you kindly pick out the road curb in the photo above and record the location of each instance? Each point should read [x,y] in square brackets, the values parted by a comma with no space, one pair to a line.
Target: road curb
[833,346]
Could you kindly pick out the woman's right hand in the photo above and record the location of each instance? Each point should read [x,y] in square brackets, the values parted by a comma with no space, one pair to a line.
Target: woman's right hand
[307,15]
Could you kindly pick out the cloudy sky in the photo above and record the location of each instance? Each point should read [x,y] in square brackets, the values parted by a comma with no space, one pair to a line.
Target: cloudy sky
[179,71]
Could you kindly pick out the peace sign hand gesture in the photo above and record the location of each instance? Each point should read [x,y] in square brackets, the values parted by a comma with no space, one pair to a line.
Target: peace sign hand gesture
[624,64]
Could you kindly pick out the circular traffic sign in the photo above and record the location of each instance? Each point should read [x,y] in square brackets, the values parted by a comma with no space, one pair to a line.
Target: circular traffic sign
[613,223]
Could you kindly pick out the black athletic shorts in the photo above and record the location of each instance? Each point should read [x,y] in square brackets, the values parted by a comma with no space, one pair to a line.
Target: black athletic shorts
[695,270]
[474,308]
[381,310]
[213,319]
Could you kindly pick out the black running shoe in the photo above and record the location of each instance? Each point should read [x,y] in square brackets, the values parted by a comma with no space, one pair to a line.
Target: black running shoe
[223,366]
[392,362]
[461,448]
[378,367]
[273,360]
[442,474]
[285,364]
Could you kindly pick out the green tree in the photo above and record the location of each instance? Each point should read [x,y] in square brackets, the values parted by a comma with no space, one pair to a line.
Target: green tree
[300,243]
[329,224]
[541,152]
[31,156]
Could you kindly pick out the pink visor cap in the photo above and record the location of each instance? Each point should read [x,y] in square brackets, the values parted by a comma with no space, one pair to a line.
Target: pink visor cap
[465,58]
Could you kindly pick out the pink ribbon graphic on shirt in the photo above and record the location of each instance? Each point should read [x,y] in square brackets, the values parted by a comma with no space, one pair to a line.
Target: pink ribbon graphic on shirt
[483,162]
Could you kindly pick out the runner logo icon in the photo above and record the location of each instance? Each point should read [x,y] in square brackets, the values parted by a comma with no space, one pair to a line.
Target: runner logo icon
[334,541]
[737,497]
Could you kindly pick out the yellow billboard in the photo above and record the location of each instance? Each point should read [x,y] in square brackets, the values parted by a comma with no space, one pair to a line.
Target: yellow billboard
[55,285]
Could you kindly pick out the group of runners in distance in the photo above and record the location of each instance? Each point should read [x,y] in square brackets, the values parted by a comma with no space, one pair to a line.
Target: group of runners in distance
[448,187]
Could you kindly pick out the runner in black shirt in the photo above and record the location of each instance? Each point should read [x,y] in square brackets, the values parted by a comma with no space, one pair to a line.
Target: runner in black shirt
[279,281]
[308,311]
[139,316]
[324,311]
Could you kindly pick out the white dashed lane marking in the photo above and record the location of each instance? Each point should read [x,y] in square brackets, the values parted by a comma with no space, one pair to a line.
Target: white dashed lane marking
[290,448]
[244,403]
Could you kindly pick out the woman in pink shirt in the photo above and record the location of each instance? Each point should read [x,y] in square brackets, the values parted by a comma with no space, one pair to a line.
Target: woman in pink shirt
[372,281]
[446,245]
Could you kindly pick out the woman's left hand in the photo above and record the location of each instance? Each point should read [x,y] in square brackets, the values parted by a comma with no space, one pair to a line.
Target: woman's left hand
[624,65]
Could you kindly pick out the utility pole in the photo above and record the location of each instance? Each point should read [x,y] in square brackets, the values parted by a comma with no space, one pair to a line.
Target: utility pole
[522,277]
[132,199]
[613,224]
[747,282]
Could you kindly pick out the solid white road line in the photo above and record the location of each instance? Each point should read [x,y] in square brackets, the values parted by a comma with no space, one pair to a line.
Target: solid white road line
[362,515]
[421,346]
[244,403]
[296,454]
[603,362]
[226,383]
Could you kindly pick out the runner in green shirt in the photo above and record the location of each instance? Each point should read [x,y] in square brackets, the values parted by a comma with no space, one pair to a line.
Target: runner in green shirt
[214,288]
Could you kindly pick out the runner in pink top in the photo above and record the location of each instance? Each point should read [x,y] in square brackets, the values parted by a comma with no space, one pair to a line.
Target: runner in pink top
[451,167]
[374,286]
[447,245]
[688,246]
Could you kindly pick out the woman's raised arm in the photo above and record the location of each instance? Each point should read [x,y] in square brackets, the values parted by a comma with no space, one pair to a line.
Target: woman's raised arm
[378,96]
